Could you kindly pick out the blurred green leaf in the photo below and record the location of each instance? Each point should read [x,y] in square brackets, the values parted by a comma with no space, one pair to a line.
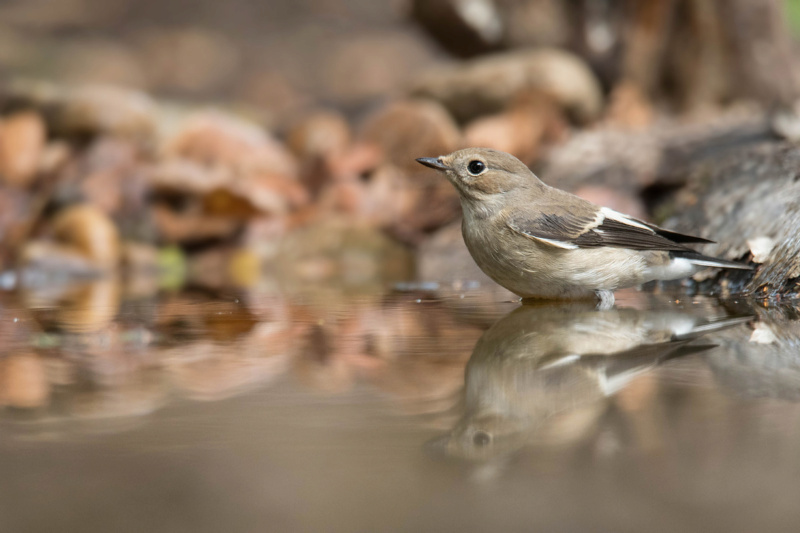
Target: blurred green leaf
[792,12]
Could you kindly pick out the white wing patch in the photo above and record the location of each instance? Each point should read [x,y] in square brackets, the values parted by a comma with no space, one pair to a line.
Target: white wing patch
[615,383]
[625,219]
[561,361]
[553,242]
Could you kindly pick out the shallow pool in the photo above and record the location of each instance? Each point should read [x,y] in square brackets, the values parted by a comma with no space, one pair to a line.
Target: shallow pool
[444,409]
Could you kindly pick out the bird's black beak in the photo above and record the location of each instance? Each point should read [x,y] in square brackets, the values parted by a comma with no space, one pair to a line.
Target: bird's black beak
[433,162]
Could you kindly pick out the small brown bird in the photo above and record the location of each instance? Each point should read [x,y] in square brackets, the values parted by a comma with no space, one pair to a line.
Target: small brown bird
[541,242]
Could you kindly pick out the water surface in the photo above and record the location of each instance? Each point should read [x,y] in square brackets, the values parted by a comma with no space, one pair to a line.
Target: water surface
[387,410]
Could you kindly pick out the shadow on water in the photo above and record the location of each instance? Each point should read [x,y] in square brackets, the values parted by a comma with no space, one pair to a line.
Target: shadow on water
[320,410]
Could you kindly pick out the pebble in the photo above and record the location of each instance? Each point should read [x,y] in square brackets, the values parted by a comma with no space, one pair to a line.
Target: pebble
[22,141]
[88,230]
[408,129]
[489,84]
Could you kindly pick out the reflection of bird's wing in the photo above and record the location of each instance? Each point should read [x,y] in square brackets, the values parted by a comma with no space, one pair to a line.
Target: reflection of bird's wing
[718,324]
[592,227]
[616,371]
[639,357]
[553,360]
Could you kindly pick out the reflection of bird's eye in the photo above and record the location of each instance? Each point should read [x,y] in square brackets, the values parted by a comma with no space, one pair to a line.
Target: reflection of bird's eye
[476,167]
[481,438]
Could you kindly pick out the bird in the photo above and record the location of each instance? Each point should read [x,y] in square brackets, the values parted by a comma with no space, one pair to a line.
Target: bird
[540,242]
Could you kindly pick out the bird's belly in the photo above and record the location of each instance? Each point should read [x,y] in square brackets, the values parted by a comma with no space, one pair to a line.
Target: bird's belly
[529,270]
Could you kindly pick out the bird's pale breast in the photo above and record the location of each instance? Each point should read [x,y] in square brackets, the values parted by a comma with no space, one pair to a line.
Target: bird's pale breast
[532,269]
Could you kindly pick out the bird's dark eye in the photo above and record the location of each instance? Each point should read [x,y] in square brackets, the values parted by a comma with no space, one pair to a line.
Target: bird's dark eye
[481,438]
[476,167]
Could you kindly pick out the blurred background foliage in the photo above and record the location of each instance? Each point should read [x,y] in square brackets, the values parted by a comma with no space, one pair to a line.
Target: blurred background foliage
[281,55]
[792,8]
[110,153]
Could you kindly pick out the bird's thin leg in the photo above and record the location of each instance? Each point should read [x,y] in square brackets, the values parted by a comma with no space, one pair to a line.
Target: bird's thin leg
[606,300]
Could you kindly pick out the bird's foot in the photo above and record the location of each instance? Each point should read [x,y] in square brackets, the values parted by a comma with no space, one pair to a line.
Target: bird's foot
[605,300]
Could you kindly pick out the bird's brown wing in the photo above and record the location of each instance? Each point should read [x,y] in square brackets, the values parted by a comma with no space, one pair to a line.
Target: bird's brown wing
[603,227]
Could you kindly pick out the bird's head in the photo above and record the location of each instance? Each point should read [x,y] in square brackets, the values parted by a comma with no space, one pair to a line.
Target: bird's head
[485,436]
[482,173]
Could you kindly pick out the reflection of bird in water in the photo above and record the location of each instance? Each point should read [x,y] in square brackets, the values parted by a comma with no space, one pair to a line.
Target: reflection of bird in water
[541,361]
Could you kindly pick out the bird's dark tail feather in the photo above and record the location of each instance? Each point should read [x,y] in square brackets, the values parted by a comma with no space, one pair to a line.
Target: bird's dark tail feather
[705,260]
